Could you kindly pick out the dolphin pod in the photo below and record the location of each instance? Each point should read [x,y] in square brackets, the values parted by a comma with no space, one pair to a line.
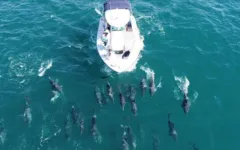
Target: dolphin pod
[128,138]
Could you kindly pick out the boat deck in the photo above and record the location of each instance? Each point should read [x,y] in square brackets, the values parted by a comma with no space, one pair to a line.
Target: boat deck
[115,61]
[129,40]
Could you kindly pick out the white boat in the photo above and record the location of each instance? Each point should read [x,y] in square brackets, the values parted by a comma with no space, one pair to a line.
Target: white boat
[118,40]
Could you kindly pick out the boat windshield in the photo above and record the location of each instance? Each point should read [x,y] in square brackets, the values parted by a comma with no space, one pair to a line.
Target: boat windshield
[117,28]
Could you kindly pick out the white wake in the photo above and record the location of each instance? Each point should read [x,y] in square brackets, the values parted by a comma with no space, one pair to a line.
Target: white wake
[44,67]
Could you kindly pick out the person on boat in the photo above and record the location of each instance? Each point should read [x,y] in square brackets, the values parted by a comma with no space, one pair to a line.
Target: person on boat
[109,52]
[126,54]
[105,37]
[129,26]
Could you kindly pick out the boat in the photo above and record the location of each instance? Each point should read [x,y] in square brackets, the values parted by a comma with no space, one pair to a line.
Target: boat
[119,42]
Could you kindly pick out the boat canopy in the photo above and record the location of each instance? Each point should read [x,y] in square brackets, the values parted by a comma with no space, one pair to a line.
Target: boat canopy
[117,18]
[117,4]
[117,13]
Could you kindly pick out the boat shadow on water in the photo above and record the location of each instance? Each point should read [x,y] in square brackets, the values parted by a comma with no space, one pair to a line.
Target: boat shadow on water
[82,53]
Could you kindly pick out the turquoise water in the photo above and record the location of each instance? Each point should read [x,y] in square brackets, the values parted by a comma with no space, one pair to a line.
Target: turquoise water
[195,42]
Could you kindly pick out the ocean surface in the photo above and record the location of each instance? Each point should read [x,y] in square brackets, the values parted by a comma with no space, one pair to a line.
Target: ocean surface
[189,45]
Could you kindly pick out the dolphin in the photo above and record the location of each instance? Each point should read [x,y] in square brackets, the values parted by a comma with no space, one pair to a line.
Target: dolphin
[55,85]
[67,127]
[82,125]
[104,97]
[134,107]
[122,99]
[132,139]
[94,125]
[98,96]
[143,86]
[1,127]
[27,111]
[125,145]
[186,104]
[2,132]
[74,114]
[110,91]
[155,143]
[152,87]
[172,130]
[132,92]
[94,130]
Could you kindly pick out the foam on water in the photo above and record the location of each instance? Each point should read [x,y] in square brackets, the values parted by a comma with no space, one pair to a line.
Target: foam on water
[177,94]
[149,72]
[44,67]
[182,86]
[21,68]
[3,137]
[56,95]
[183,83]
[98,12]
[151,19]
[195,97]
[28,115]
[134,144]
[107,70]
[77,144]
[3,132]
[46,132]
[160,83]
[98,137]
[23,144]
[17,68]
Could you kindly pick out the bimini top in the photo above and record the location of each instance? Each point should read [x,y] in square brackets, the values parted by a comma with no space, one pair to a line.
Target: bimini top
[117,4]
[117,12]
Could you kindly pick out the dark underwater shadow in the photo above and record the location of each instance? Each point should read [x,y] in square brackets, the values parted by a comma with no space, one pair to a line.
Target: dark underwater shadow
[85,57]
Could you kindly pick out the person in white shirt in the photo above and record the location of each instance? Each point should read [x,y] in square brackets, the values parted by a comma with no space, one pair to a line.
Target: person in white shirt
[105,37]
